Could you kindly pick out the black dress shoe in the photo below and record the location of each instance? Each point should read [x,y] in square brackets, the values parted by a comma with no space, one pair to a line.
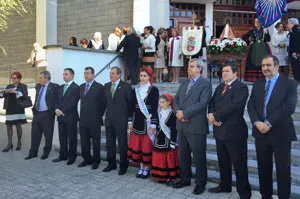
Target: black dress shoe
[218,190]
[145,176]
[95,166]
[109,168]
[180,184]
[59,159]
[83,164]
[122,172]
[70,162]
[43,157]
[198,190]
[30,157]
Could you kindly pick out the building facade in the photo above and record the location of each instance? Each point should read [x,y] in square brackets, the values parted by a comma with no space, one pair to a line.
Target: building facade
[50,22]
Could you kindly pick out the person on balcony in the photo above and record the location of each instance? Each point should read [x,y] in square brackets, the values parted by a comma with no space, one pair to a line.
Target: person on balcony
[38,56]
[175,54]
[294,47]
[279,48]
[257,39]
[97,42]
[84,43]
[15,114]
[160,62]
[131,44]
[148,45]
[114,39]
[73,41]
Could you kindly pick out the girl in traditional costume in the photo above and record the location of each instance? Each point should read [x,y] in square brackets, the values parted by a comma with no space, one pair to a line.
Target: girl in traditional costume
[142,122]
[165,162]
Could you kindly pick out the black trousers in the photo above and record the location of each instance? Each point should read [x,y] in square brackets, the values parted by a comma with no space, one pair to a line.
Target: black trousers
[86,134]
[234,152]
[133,70]
[295,68]
[113,133]
[282,155]
[68,139]
[196,144]
[42,123]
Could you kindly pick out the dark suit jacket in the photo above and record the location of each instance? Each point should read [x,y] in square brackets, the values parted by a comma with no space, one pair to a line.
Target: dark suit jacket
[22,88]
[281,106]
[51,96]
[92,105]
[118,107]
[229,109]
[294,46]
[68,103]
[194,106]
[131,44]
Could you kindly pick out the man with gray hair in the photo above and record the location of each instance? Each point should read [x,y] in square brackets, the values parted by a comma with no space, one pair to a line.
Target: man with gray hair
[131,44]
[43,115]
[294,47]
[190,105]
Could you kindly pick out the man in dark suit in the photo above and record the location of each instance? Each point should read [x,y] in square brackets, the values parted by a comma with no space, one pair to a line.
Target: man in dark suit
[226,111]
[92,107]
[67,117]
[118,96]
[190,105]
[294,47]
[43,115]
[272,102]
[131,44]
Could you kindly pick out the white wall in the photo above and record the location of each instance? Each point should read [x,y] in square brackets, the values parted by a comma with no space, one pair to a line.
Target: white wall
[150,12]
[60,58]
[209,13]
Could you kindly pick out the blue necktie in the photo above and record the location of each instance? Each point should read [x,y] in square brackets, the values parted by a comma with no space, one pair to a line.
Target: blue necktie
[86,89]
[265,97]
[38,102]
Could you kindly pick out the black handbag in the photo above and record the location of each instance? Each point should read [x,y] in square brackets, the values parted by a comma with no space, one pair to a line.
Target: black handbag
[25,102]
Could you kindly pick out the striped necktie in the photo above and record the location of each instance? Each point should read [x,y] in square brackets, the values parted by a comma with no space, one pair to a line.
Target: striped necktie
[225,89]
[191,83]
[265,96]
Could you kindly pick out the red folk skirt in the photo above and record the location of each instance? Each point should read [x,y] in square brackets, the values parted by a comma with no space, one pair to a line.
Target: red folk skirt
[139,149]
[165,165]
[253,75]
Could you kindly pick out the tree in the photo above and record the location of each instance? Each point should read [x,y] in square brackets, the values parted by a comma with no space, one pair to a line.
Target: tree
[7,8]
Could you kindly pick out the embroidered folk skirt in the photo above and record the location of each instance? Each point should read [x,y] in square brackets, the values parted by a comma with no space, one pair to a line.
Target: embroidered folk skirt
[165,165]
[139,149]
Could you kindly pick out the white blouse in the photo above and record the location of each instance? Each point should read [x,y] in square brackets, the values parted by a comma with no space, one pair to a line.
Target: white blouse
[149,41]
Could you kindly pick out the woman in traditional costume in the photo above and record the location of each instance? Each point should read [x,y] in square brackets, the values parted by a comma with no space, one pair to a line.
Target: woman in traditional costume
[257,39]
[165,161]
[142,122]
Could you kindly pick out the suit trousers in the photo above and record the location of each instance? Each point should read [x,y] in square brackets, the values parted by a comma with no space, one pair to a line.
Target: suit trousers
[282,155]
[295,68]
[192,143]
[86,134]
[113,133]
[42,123]
[68,139]
[133,70]
[234,152]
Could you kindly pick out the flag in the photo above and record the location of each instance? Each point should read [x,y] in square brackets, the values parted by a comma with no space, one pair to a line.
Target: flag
[269,11]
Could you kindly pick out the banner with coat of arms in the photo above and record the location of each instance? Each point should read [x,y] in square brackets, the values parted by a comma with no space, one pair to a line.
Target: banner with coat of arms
[191,40]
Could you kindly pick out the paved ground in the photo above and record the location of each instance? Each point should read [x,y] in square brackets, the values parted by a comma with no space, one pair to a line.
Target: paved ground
[42,179]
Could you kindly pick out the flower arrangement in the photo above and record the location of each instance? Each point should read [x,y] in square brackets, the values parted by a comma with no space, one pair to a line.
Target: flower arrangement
[236,46]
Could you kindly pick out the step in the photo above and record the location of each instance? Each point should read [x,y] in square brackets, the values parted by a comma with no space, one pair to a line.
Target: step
[214,176]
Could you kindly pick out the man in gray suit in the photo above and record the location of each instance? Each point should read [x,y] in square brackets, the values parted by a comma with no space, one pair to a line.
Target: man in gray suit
[190,105]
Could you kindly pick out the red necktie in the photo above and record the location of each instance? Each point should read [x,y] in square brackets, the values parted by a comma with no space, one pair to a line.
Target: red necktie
[225,88]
